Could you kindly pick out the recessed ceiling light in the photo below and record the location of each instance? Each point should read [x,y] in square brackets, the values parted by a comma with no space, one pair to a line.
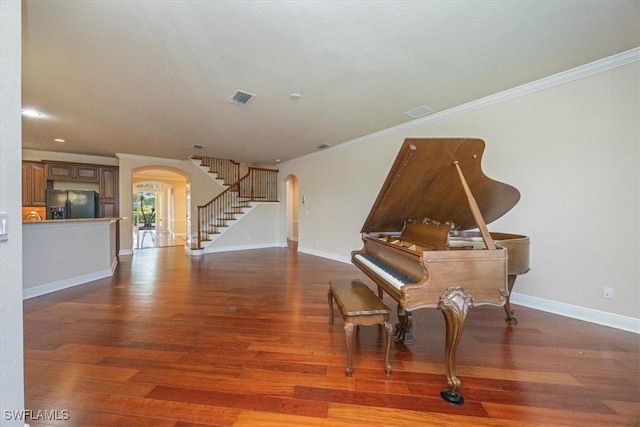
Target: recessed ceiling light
[31,113]
[277,160]
[59,140]
[295,96]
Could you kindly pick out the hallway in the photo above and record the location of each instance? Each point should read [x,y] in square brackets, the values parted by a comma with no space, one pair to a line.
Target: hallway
[144,239]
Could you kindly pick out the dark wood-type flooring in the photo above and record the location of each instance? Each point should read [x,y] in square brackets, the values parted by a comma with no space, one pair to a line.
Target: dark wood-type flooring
[242,339]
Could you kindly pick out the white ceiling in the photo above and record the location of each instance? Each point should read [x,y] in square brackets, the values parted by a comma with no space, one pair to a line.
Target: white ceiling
[153,78]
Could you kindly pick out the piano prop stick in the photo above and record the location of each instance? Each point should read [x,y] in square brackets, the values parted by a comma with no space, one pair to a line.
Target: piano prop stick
[421,247]
[475,210]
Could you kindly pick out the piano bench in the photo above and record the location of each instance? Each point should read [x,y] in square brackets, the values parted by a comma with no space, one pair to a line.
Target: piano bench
[359,306]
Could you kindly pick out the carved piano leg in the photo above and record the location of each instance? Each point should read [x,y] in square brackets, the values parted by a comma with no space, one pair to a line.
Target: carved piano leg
[507,305]
[389,330]
[454,304]
[330,297]
[402,331]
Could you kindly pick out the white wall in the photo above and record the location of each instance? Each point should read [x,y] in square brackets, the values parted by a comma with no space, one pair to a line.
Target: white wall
[179,214]
[572,149]
[257,229]
[11,344]
[58,255]
[40,155]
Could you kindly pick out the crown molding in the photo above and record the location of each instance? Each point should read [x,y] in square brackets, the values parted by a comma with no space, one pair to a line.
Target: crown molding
[580,72]
[147,158]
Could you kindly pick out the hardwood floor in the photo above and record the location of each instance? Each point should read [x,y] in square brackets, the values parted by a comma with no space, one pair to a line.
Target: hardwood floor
[160,238]
[242,339]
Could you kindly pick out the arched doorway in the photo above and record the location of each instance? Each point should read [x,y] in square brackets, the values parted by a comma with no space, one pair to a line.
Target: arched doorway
[292,211]
[159,207]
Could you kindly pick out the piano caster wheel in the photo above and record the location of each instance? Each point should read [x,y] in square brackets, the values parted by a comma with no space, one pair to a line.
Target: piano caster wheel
[402,331]
[452,397]
[511,320]
[402,336]
[398,336]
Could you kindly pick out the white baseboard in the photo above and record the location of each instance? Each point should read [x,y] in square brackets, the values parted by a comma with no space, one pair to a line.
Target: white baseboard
[617,321]
[36,291]
[212,249]
[334,257]
[125,252]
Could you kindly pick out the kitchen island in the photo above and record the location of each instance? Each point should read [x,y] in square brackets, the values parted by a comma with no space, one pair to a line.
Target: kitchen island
[58,254]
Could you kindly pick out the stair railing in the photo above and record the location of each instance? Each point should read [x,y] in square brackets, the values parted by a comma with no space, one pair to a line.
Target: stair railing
[225,169]
[259,184]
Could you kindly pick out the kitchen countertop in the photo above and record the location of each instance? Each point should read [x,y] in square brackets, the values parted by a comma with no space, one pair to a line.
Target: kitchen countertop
[66,221]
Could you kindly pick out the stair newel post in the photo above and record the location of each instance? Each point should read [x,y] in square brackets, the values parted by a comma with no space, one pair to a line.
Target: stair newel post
[198,222]
[253,184]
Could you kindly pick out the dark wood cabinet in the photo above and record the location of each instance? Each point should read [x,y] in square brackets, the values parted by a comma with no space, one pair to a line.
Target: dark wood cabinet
[86,173]
[59,172]
[109,209]
[109,183]
[34,184]
[72,172]
[108,178]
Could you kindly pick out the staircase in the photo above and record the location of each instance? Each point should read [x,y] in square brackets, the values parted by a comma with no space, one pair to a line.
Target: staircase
[239,197]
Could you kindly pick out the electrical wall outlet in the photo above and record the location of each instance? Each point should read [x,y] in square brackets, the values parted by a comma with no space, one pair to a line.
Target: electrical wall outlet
[607,292]
[4,227]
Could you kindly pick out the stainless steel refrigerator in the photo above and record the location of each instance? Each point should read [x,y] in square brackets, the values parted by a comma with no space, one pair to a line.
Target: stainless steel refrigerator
[72,204]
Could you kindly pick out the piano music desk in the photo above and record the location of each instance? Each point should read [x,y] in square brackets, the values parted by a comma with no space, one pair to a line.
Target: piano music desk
[359,306]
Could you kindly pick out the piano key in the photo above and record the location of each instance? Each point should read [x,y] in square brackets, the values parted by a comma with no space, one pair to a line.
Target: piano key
[393,277]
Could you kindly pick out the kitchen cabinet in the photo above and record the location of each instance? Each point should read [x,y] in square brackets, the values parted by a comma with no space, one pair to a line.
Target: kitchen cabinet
[34,184]
[72,172]
[109,209]
[108,178]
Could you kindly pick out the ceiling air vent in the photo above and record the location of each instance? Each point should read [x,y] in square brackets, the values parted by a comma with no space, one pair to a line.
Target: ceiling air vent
[241,97]
[421,111]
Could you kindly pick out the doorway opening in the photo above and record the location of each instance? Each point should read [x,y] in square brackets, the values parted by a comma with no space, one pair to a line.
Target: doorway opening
[292,211]
[144,207]
[159,208]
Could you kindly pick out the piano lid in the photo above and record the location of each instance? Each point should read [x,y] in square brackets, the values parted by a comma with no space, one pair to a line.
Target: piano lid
[423,183]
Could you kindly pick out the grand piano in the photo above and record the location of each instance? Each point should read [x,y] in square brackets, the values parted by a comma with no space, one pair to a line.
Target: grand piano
[426,242]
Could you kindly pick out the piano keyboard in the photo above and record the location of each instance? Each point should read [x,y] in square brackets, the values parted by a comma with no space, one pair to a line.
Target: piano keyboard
[387,273]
